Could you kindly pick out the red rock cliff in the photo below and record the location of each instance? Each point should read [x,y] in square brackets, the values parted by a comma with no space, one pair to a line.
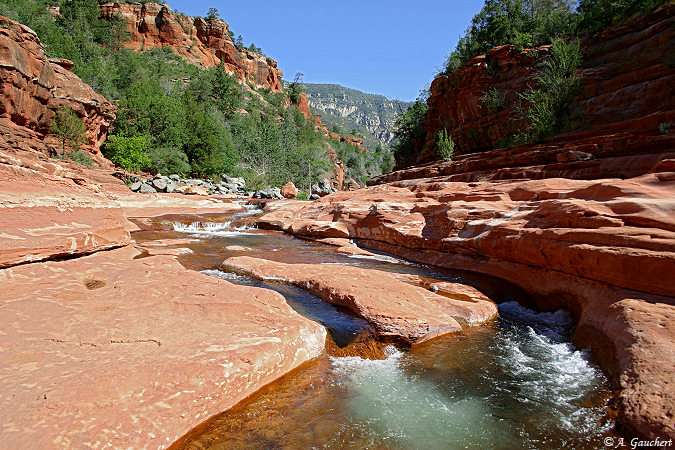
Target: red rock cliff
[629,84]
[34,87]
[204,42]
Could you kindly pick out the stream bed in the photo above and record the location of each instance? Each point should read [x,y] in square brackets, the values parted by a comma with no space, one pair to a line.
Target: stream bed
[517,383]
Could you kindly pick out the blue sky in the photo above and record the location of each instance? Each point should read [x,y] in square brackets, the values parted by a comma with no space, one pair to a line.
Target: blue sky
[383,47]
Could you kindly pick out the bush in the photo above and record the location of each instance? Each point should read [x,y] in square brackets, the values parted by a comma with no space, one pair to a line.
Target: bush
[68,128]
[129,153]
[169,160]
[594,15]
[493,100]
[79,157]
[551,108]
[446,146]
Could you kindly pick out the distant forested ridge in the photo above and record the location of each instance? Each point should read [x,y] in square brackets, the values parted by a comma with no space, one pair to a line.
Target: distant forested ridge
[372,116]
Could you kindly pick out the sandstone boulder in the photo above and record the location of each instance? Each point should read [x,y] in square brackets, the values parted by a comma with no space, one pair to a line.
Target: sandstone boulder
[289,190]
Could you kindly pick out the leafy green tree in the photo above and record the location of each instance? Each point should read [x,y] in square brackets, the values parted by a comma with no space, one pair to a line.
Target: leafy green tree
[409,130]
[68,128]
[522,23]
[129,153]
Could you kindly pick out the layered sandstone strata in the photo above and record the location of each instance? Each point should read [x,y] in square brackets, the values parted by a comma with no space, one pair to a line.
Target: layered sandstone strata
[628,80]
[605,250]
[33,87]
[205,42]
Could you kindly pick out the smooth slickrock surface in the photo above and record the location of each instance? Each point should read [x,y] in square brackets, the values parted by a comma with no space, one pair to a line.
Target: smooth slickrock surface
[398,310]
[153,205]
[586,246]
[51,208]
[110,350]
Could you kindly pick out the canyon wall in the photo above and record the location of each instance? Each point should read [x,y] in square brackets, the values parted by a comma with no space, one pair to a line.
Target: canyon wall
[33,87]
[628,87]
[583,222]
[204,42]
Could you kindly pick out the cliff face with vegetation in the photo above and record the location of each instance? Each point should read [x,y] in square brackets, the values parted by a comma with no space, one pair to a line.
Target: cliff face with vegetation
[625,103]
[204,42]
[582,220]
[369,114]
[34,87]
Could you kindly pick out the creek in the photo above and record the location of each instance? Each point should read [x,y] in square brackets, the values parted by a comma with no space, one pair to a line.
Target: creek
[516,383]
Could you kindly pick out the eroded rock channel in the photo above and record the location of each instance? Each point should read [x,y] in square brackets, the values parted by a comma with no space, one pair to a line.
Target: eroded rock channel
[509,379]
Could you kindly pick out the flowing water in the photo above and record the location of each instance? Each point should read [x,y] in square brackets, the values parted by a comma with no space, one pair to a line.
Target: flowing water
[517,383]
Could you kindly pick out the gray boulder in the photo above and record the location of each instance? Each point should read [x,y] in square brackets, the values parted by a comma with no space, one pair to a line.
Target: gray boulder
[135,186]
[228,187]
[236,181]
[174,177]
[323,188]
[147,189]
[314,197]
[170,186]
[159,184]
[268,193]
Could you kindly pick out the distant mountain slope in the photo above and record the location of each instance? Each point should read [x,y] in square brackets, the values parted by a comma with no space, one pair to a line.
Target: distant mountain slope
[372,115]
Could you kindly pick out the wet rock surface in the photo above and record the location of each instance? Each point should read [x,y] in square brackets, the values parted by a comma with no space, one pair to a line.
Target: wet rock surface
[399,311]
[586,246]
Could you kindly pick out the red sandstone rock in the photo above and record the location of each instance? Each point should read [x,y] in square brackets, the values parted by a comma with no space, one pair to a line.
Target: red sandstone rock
[586,246]
[204,42]
[397,310]
[51,208]
[289,190]
[134,352]
[627,83]
[33,87]
[195,190]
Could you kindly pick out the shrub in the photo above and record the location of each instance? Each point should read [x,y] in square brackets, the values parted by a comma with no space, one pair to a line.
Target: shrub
[129,153]
[68,128]
[551,108]
[493,100]
[169,160]
[446,146]
[79,157]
